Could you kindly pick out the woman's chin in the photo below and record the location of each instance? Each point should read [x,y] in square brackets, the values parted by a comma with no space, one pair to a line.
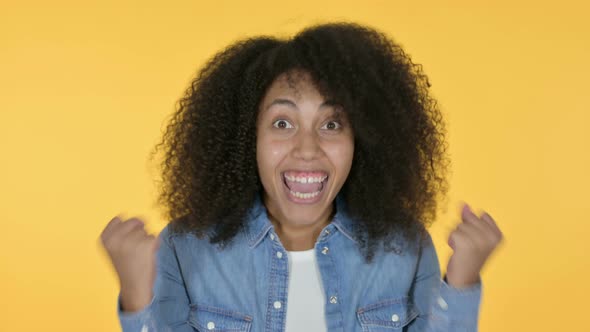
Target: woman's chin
[305,214]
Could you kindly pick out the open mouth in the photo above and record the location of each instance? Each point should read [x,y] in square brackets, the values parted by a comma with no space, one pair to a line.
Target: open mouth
[305,187]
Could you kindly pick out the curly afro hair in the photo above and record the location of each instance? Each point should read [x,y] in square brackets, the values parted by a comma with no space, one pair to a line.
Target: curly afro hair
[209,171]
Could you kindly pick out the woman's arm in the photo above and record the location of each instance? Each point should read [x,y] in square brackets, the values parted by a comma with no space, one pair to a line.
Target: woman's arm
[169,307]
[452,304]
[441,307]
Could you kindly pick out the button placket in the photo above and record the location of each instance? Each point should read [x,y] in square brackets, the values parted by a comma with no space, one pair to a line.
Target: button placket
[278,282]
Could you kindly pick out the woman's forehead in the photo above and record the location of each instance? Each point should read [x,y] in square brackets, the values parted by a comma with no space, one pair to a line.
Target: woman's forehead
[298,87]
[293,83]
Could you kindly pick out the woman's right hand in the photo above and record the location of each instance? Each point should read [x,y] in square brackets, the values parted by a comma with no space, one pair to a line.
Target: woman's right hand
[133,254]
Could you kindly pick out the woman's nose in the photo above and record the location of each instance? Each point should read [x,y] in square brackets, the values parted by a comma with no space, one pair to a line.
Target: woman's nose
[307,146]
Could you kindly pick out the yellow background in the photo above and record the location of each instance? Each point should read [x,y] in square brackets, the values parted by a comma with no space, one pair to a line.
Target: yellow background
[85,90]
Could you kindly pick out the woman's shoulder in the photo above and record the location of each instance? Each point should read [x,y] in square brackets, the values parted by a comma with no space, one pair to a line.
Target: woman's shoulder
[173,233]
[180,238]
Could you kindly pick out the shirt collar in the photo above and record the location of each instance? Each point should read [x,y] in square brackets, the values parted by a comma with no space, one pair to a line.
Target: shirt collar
[344,222]
[259,224]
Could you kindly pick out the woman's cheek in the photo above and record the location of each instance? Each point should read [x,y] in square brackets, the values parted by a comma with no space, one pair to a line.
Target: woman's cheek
[278,149]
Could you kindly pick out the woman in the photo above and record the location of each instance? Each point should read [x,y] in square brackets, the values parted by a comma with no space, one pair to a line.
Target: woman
[300,176]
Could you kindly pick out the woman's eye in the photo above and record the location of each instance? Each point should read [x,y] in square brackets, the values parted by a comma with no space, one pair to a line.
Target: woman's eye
[332,125]
[282,124]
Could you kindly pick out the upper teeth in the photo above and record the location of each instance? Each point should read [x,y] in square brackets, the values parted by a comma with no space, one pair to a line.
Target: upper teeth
[309,179]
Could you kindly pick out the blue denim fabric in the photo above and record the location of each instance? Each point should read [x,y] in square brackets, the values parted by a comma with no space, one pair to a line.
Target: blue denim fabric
[243,287]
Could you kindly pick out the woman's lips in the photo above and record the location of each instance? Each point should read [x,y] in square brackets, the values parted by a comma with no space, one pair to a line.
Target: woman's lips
[303,191]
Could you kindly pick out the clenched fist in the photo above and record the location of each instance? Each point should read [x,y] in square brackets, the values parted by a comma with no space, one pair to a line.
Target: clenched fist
[472,241]
[133,254]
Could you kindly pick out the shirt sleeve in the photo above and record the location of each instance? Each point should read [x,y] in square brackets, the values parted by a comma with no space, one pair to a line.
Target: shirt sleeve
[442,307]
[169,308]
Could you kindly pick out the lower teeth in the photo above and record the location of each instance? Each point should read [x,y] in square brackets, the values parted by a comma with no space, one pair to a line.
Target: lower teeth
[304,195]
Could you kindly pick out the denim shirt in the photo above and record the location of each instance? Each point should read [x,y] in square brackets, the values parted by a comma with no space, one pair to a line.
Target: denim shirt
[243,287]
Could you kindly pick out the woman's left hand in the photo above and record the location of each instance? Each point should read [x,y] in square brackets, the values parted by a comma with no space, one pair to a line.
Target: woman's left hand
[472,241]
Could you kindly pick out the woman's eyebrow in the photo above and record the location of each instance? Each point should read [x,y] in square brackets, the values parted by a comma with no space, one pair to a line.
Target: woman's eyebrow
[287,102]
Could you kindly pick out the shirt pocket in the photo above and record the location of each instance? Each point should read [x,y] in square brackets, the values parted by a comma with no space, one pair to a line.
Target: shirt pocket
[208,318]
[387,315]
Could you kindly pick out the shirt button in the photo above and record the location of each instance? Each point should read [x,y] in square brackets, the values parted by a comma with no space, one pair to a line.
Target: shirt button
[272,237]
[394,318]
[210,325]
[442,303]
[325,250]
[277,305]
[333,299]
[144,328]
[279,254]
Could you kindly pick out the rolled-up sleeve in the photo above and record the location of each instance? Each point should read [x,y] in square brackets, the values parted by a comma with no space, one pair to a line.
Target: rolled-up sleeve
[442,307]
[169,308]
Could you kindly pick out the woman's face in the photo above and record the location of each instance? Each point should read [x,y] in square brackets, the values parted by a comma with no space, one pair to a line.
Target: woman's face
[304,151]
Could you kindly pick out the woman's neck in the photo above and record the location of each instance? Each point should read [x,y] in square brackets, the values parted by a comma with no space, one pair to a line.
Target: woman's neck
[299,237]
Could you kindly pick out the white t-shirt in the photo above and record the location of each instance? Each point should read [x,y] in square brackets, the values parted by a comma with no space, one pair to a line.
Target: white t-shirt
[305,299]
